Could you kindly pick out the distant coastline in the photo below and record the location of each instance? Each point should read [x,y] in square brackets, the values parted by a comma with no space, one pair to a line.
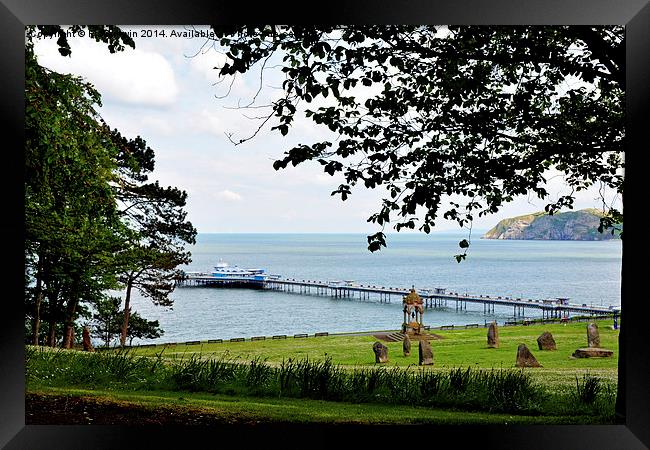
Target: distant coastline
[579,225]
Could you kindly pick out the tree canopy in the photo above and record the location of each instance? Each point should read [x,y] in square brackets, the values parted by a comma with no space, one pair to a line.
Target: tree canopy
[94,222]
[474,115]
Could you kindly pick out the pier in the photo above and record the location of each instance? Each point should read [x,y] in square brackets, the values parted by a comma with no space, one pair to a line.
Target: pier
[433,298]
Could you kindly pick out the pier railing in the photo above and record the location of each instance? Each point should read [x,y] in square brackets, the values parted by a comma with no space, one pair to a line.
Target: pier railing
[437,297]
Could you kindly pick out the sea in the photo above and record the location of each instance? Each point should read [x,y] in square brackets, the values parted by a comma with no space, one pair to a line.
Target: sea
[586,272]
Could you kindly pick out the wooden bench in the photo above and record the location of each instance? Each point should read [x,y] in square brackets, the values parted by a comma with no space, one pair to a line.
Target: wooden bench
[215,341]
[325,333]
[280,336]
[237,339]
[301,335]
[258,338]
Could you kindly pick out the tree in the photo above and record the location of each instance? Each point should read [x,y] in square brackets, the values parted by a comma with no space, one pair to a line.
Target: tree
[72,226]
[473,113]
[92,220]
[159,228]
[142,328]
[106,319]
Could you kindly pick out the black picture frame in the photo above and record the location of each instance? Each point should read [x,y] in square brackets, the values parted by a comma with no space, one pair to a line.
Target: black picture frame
[632,431]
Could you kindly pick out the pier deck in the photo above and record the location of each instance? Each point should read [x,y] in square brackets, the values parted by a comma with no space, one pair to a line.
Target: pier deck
[432,297]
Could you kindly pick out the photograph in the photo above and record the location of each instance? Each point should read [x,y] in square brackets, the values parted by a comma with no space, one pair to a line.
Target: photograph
[393,228]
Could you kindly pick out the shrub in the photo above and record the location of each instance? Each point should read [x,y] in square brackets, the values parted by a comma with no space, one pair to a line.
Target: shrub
[587,390]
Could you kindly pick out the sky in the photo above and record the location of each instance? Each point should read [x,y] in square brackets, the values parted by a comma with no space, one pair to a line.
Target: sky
[167,91]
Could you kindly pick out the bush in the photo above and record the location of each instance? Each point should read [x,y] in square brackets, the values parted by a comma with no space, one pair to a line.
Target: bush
[587,391]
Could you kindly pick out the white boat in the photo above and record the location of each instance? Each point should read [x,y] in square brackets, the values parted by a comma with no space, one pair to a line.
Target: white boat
[224,271]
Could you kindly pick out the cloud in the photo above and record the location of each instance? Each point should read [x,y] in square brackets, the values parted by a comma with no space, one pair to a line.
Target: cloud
[133,76]
[205,61]
[229,196]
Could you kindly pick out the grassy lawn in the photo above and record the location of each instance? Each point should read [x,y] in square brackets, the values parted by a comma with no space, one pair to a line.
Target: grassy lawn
[457,348]
[241,409]
[177,377]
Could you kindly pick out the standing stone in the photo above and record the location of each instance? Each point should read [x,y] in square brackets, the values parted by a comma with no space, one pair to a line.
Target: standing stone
[546,342]
[88,346]
[381,352]
[406,345]
[593,338]
[525,358]
[493,335]
[425,353]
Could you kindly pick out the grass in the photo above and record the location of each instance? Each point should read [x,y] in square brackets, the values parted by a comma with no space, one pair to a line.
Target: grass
[239,409]
[457,348]
[340,370]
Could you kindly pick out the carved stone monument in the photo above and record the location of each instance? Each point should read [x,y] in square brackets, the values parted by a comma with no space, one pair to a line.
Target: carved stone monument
[493,335]
[525,358]
[413,310]
[381,352]
[425,353]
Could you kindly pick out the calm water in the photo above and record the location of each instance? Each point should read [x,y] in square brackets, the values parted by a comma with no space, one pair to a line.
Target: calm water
[586,272]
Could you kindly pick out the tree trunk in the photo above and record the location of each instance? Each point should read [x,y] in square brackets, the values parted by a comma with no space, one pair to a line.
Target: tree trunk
[68,336]
[37,312]
[127,313]
[51,340]
[53,310]
[39,299]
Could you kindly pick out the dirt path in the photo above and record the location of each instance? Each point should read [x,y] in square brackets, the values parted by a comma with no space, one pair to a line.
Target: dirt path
[70,410]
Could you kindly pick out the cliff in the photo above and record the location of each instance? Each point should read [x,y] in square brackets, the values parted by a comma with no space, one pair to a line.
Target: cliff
[579,225]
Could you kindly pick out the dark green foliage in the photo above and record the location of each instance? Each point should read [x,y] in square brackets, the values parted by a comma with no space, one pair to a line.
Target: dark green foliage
[108,318]
[430,384]
[362,384]
[587,391]
[510,391]
[479,113]
[141,328]
[400,385]
[313,379]
[208,375]
[459,379]
[93,223]
[72,225]
[258,374]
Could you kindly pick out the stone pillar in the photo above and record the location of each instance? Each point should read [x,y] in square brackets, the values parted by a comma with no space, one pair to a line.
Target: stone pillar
[425,353]
[406,345]
[493,335]
[593,338]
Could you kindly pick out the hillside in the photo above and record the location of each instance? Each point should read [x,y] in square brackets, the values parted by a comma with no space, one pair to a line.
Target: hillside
[579,225]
